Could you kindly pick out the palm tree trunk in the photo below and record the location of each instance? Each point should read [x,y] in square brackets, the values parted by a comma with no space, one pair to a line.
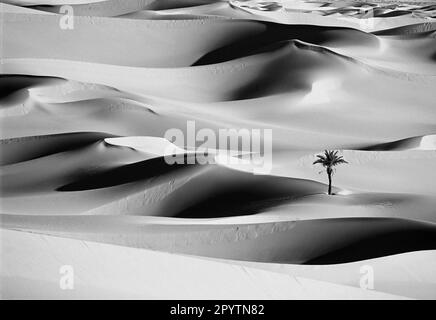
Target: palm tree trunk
[329,173]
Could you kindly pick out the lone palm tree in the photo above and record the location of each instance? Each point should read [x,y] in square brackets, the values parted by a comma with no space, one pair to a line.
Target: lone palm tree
[330,159]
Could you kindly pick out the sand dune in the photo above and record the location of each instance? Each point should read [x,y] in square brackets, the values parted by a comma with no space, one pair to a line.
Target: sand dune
[419,29]
[84,174]
[392,273]
[134,277]
[137,44]
[415,143]
[300,111]
[338,240]
[117,173]
[35,148]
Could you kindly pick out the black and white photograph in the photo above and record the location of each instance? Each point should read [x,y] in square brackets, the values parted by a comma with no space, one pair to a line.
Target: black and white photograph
[217,150]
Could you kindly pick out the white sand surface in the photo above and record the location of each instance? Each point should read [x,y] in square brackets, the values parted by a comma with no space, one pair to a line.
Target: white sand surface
[84,179]
[31,263]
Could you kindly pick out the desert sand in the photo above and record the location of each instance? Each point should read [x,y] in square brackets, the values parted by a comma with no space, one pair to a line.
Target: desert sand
[84,180]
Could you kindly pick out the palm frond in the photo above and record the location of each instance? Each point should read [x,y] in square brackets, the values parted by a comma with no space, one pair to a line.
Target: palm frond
[330,158]
[340,161]
[318,161]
